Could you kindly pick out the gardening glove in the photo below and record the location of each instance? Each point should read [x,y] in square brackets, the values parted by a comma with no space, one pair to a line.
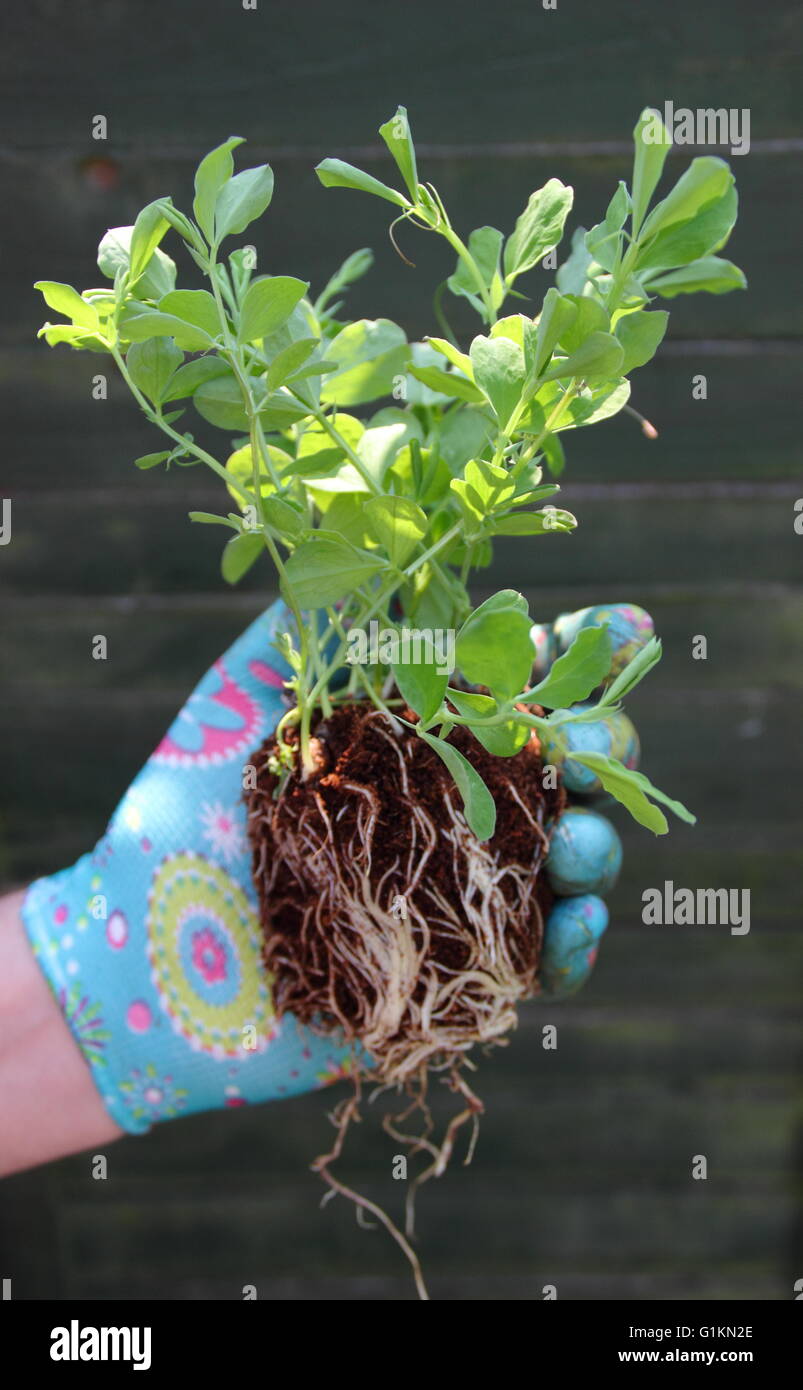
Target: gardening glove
[585,852]
[152,942]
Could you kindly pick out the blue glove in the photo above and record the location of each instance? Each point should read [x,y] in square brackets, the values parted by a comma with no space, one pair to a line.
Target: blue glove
[585,853]
[152,942]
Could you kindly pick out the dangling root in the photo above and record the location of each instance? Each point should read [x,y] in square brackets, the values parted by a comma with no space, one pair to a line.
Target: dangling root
[344,1114]
[386,920]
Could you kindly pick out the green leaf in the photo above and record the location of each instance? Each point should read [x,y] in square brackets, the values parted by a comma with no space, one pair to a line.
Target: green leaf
[317,455]
[369,354]
[478,804]
[398,525]
[652,144]
[213,172]
[335,173]
[353,268]
[288,361]
[597,359]
[397,137]
[151,365]
[137,328]
[633,672]
[78,338]
[420,683]
[242,200]
[501,601]
[151,460]
[179,222]
[187,379]
[268,304]
[458,359]
[618,208]
[495,649]
[710,274]
[319,367]
[503,740]
[539,228]
[196,307]
[485,245]
[557,314]
[573,274]
[705,179]
[579,671]
[322,571]
[499,370]
[540,523]
[591,405]
[433,596]
[450,384]
[603,246]
[343,512]
[219,400]
[211,519]
[283,518]
[239,554]
[554,455]
[65,300]
[595,405]
[681,811]
[620,782]
[240,468]
[484,487]
[147,232]
[464,433]
[154,282]
[589,317]
[697,236]
[640,335]
[379,447]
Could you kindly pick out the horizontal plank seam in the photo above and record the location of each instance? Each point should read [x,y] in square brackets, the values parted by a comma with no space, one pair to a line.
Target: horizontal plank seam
[736,490]
[492,149]
[212,600]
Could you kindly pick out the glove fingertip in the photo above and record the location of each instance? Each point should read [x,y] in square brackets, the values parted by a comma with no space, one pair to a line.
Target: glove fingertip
[571,942]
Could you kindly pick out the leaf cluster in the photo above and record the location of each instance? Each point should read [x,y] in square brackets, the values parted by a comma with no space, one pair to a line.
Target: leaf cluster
[377,472]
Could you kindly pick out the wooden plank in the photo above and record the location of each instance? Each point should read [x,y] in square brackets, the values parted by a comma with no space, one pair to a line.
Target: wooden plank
[79,443]
[542,74]
[160,645]
[57,223]
[149,546]
[485,1230]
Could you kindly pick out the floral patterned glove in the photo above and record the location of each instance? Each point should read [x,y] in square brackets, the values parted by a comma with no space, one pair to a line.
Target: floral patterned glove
[152,944]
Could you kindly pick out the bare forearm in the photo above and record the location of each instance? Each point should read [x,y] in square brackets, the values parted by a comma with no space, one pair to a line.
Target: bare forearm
[49,1105]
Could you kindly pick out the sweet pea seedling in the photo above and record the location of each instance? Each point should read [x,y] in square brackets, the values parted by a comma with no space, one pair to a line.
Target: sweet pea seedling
[375,519]
[383,516]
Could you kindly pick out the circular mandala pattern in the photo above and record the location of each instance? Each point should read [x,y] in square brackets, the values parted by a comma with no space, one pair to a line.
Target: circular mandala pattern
[204,949]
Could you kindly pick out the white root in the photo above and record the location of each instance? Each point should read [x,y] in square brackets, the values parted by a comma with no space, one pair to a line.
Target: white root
[416,989]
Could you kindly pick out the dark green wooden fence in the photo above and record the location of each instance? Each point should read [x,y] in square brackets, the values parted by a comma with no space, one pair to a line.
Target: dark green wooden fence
[687,1040]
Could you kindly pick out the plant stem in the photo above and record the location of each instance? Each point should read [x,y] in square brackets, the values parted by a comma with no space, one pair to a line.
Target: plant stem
[157,418]
[433,549]
[447,230]
[553,418]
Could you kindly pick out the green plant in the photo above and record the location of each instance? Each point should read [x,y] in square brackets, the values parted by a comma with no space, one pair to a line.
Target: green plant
[385,518]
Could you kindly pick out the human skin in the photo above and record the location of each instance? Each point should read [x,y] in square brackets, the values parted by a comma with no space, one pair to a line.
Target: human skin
[50,1105]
